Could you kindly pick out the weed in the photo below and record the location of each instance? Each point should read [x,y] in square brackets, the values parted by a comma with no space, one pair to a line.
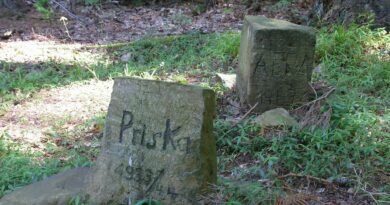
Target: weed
[281,5]
[227,10]
[42,6]
[92,2]
[64,21]
[182,19]
[76,200]
[199,9]
[234,192]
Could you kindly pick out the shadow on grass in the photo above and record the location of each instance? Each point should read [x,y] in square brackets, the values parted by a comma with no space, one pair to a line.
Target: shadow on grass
[196,55]
[20,166]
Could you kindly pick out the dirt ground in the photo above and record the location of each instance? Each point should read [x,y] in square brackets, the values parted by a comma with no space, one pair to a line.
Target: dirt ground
[110,22]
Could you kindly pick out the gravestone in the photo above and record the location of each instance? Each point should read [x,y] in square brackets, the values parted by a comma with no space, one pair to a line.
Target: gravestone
[157,144]
[275,63]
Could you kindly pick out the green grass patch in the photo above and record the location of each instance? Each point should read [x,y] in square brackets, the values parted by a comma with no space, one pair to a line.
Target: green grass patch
[195,54]
[20,165]
[206,53]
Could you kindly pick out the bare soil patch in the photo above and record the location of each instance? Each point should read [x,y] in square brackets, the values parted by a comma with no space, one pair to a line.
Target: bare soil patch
[110,22]
[69,106]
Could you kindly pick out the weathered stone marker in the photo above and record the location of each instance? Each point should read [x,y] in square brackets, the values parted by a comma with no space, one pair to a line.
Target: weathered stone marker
[275,63]
[158,144]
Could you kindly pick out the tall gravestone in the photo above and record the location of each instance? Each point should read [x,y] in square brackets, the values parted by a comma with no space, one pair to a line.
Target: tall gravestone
[158,144]
[275,63]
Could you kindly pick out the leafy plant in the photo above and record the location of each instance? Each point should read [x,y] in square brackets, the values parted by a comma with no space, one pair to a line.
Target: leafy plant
[182,19]
[76,200]
[92,2]
[281,5]
[42,6]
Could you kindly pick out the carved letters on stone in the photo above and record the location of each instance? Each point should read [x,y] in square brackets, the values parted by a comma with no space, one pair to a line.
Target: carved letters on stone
[157,144]
[275,63]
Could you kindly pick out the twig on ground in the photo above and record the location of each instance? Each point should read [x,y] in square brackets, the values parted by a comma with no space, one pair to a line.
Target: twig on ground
[324,181]
[318,99]
[363,187]
[314,90]
[245,115]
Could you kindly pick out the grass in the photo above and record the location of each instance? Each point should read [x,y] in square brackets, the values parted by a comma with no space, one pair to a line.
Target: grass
[194,52]
[199,55]
[21,166]
[354,148]
[18,82]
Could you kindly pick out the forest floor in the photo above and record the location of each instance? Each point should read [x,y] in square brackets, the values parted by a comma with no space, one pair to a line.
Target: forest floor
[109,23]
[56,81]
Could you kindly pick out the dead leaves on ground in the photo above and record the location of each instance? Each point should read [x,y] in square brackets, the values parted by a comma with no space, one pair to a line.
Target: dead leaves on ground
[295,199]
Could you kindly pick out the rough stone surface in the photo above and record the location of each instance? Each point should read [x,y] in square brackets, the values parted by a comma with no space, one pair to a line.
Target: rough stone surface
[127,57]
[157,144]
[55,190]
[275,63]
[228,80]
[276,117]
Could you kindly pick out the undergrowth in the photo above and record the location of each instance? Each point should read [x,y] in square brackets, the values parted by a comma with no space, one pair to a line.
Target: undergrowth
[356,145]
[42,6]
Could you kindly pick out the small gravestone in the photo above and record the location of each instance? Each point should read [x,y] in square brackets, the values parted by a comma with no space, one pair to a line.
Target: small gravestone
[275,63]
[158,144]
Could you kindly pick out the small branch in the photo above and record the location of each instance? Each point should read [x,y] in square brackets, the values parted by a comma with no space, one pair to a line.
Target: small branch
[372,197]
[324,181]
[245,115]
[326,95]
[314,90]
